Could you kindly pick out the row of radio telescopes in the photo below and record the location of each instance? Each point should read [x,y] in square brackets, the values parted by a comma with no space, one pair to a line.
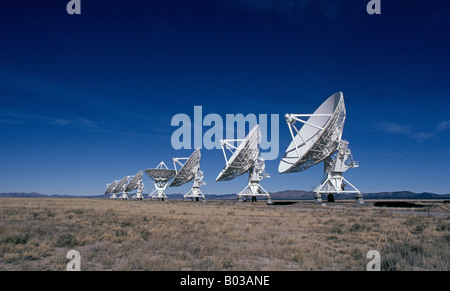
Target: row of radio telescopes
[319,139]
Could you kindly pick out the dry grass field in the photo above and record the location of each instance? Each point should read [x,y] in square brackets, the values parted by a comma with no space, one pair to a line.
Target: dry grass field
[36,234]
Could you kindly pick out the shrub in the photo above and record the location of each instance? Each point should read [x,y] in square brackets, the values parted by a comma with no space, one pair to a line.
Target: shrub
[144,234]
[120,232]
[125,223]
[442,226]
[358,227]
[16,239]
[66,240]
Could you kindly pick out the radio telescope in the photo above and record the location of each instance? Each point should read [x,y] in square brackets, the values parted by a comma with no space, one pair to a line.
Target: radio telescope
[118,188]
[245,158]
[110,188]
[320,139]
[161,176]
[188,171]
[136,183]
[122,186]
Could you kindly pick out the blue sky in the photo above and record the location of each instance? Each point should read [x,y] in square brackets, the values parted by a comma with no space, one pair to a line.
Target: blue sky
[87,99]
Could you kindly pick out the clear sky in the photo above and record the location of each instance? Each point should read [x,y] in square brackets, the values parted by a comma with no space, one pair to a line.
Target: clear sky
[87,99]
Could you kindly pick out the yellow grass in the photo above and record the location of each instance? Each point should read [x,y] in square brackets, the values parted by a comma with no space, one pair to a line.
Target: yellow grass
[36,234]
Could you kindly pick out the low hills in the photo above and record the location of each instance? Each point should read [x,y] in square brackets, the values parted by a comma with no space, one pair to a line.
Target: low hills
[281,195]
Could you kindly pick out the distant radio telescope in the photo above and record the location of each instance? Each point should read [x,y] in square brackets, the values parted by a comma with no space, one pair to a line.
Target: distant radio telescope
[245,158]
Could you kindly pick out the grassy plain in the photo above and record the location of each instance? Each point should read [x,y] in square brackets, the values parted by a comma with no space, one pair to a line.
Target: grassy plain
[36,234]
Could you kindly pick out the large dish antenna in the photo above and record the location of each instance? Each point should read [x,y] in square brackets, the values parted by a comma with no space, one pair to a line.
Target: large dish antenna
[110,188]
[161,176]
[189,171]
[245,158]
[136,183]
[320,139]
[122,186]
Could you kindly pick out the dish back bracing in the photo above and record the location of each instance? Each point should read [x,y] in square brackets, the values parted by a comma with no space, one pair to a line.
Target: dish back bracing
[317,139]
[320,139]
[245,159]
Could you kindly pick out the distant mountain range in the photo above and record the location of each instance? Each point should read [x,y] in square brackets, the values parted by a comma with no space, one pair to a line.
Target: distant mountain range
[281,195]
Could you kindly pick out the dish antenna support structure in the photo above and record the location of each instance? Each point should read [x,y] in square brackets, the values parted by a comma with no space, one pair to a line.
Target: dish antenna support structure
[136,184]
[245,158]
[320,139]
[190,170]
[110,188]
[161,176]
[121,187]
[334,167]
[195,192]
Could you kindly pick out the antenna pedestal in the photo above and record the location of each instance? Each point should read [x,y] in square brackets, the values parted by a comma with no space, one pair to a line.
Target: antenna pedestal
[320,139]
[113,196]
[161,175]
[359,198]
[124,196]
[245,158]
[138,195]
[318,198]
[195,192]
[335,183]
[334,167]
[158,193]
[254,188]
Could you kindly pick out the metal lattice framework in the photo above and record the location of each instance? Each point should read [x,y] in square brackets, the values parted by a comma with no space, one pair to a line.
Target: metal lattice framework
[334,167]
[189,171]
[135,181]
[254,188]
[110,187]
[195,192]
[317,139]
[122,186]
[245,158]
[320,139]
[161,175]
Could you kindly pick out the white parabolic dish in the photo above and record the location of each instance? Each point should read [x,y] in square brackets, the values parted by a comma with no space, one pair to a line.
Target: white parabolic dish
[121,186]
[243,158]
[111,187]
[160,175]
[188,170]
[134,183]
[318,138]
